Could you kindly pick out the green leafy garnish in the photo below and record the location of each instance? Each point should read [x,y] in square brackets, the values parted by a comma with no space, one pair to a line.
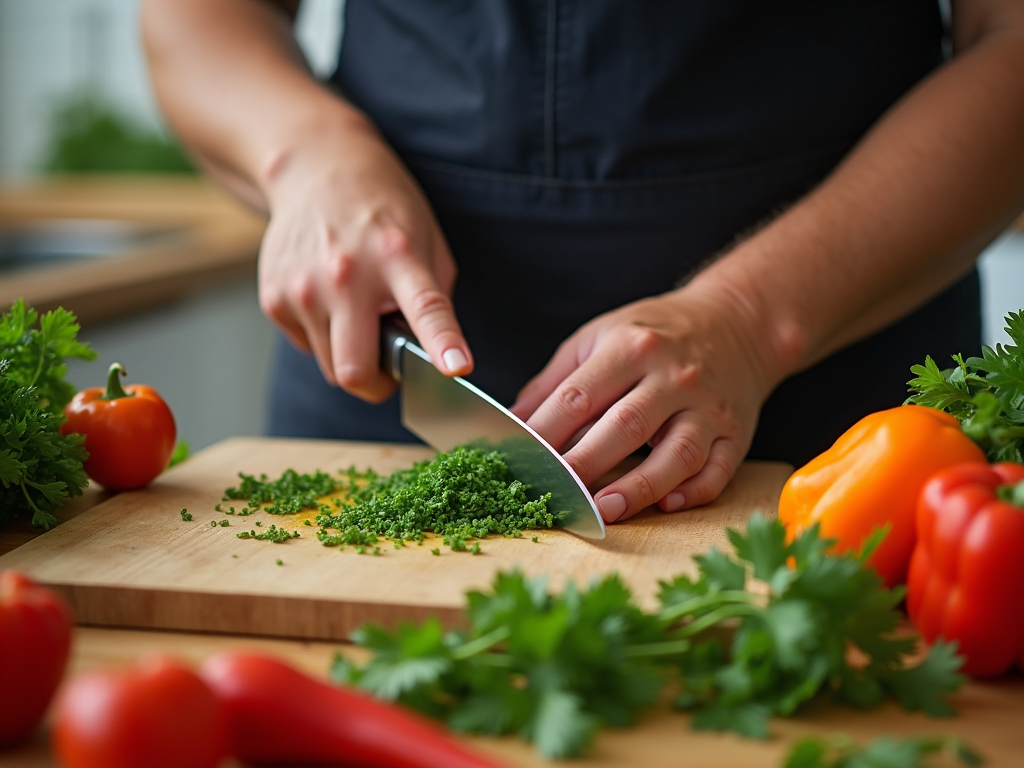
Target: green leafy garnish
[841,752]
[186,516]
[39,467]
[760,632]
[985,394]
[36,355]
[273,533]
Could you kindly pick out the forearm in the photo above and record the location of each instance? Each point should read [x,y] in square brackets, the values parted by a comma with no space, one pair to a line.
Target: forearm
[901,218]
[236,89]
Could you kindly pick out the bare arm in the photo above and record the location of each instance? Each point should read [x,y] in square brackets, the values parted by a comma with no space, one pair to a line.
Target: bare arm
[905,215]
[351,236]
[908,211]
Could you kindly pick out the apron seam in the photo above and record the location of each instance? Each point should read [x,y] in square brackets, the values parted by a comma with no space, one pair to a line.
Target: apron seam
[697,177]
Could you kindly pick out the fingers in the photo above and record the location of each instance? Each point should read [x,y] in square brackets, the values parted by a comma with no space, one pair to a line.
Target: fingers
[682,451]
[705,486]
[583,396]
[425,304]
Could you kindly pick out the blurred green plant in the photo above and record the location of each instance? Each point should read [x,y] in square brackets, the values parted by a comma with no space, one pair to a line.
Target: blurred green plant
[89,136]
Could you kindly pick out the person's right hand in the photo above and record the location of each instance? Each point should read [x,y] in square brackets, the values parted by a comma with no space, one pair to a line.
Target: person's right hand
[351,237]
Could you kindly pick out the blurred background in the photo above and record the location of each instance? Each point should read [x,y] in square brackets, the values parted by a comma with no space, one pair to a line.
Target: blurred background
[81,139]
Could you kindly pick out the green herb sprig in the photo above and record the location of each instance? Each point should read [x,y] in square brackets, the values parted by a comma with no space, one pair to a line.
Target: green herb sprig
[985,394]
[842,752]
[39,467]
[752,637]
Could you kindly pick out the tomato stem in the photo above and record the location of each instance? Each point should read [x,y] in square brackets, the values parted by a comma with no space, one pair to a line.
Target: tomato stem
[114,389]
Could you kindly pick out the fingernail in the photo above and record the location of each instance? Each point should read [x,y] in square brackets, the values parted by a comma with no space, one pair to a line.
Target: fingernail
[455,359]
[612,506]
[674,501]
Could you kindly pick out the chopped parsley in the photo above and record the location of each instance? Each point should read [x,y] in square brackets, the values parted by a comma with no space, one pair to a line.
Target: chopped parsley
[273,533]
[461,495]
[186,516]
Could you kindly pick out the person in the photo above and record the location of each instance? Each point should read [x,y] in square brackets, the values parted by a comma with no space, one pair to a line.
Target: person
[709,230]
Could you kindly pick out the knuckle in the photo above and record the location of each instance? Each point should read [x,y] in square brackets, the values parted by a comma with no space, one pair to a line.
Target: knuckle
[303,292]
[641,489]
[683,377]
[273,305]
[341,269]
[685,450]
[430,302]
[354,378]
[573,401]
[395,244]
[630,420]
[642,341]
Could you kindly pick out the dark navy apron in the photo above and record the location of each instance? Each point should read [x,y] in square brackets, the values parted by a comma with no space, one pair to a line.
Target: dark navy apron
[584,154]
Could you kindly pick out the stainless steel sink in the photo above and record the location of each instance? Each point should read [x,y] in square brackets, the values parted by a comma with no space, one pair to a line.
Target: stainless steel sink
[42,242]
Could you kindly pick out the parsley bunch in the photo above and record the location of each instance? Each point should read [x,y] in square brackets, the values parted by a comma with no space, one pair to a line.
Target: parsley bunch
[39,467]
[760,632]
[986,394]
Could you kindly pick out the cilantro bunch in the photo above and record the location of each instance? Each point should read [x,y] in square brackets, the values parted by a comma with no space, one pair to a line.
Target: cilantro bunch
[759,632]
[985,394]
[39,467]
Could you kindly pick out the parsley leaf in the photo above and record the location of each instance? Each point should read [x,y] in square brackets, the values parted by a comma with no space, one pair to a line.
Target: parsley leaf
[986,394]
[554,668]
[39,467]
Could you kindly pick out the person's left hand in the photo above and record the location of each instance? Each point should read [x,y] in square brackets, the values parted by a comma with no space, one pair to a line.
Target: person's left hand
[680,372]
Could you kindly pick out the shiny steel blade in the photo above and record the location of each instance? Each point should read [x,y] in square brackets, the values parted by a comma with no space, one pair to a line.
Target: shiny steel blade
[446,412]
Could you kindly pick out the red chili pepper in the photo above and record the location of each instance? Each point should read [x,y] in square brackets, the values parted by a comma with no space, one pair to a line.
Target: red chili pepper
[967,570]
[129,432]
[35,639]
[277,714]
[155,713]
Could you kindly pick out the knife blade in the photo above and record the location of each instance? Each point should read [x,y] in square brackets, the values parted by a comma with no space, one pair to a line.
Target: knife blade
[446,412]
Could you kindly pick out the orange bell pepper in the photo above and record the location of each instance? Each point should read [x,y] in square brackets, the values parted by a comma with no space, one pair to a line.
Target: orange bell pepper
[871,477]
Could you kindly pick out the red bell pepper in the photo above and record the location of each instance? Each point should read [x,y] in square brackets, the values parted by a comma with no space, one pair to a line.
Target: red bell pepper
[35,639]
[967,570]
[277,714]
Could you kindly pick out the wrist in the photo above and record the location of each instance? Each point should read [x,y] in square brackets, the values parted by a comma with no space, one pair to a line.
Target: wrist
[326,126]
[763,325]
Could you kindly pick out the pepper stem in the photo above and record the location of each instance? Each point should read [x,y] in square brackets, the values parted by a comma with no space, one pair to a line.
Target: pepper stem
[114,389]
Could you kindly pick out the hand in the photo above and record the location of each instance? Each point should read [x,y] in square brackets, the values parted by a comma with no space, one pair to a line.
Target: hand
[351,237]
[678,372]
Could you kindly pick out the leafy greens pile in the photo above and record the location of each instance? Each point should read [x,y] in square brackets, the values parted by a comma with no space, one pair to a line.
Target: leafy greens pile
[463,494]
[985,394]
[39,467]
[555,668]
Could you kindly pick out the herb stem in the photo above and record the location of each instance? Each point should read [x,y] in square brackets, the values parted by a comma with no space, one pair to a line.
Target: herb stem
[727,596]
[482,643]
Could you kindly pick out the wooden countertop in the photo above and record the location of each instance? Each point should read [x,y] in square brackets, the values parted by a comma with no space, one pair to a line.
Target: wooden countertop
[990,713]
[218,240]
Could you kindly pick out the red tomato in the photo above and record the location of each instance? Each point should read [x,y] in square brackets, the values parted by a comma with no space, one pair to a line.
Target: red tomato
[129,432]
[156,713]
[35,638]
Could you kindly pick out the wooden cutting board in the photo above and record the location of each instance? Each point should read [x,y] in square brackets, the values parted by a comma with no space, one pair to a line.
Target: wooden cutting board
[132,561]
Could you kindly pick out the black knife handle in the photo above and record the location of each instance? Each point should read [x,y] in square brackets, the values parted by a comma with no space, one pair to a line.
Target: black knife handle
[394,335]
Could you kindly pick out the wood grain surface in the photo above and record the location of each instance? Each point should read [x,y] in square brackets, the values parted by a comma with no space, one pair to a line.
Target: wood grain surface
[132,562]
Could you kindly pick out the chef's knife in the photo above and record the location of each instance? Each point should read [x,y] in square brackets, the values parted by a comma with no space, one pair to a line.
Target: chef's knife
[446,412]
